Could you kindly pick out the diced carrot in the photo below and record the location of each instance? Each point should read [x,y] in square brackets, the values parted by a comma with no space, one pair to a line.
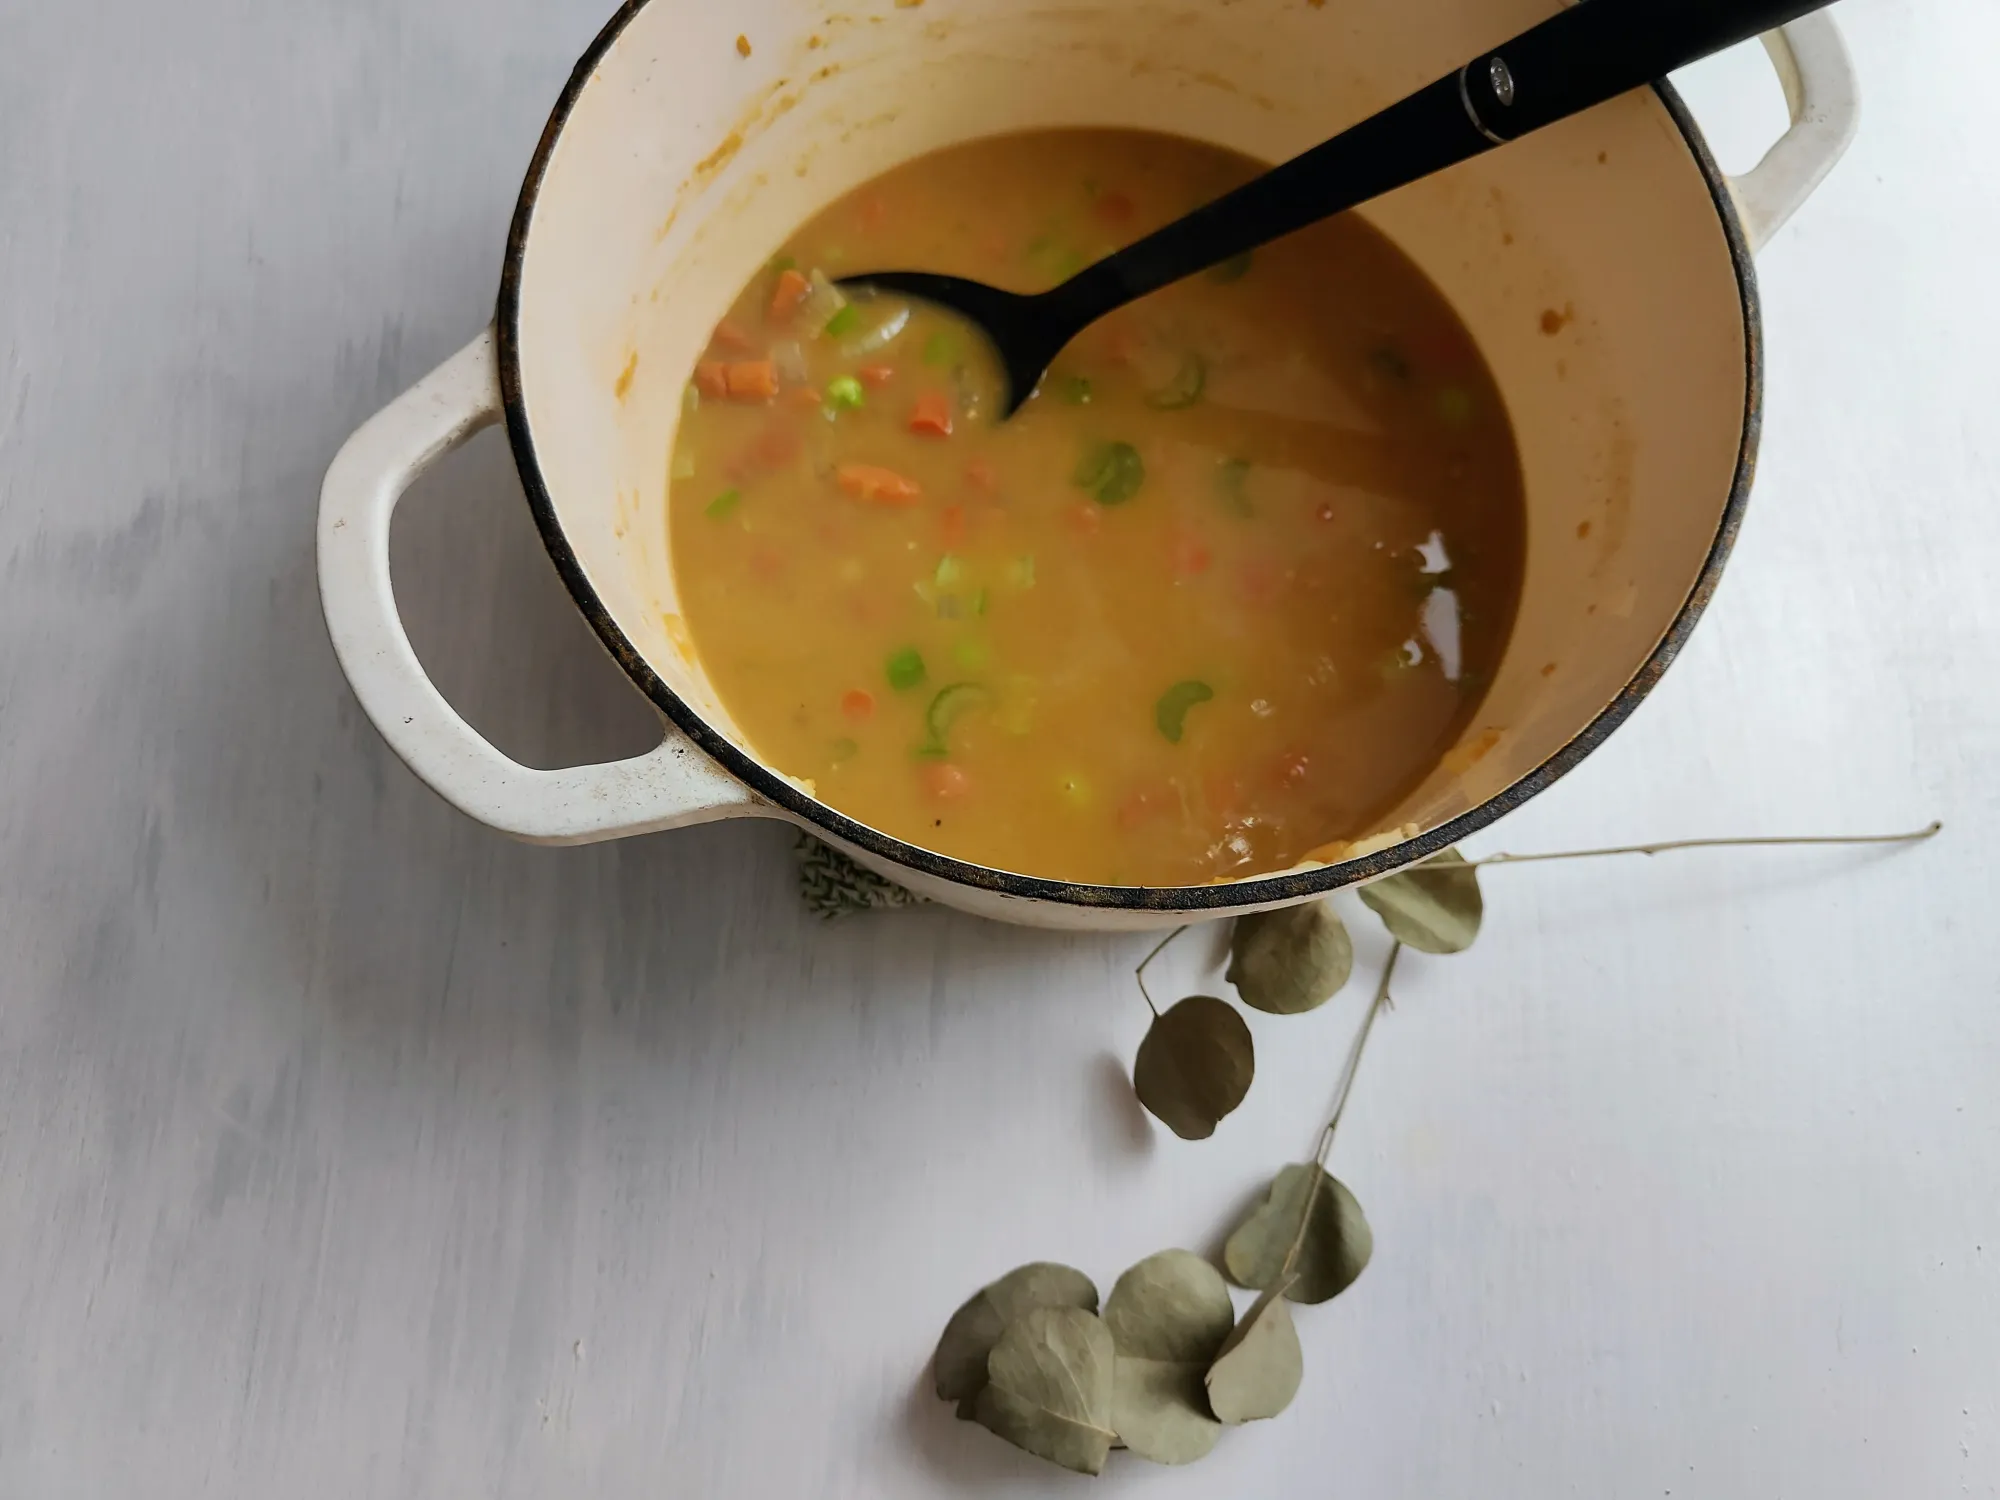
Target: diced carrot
[790,291]
[753,380]
[878,486]
[857,705]
[1224,792]
[931,415]
[1115,207]
[945,781]
[876,375]
[951,525]
[1121,344]
[804,397]
[1085,517]
[730,335]
[711,378]
[1191,555]
[776,447]
[982,476]
[1258,581]
[1143,805]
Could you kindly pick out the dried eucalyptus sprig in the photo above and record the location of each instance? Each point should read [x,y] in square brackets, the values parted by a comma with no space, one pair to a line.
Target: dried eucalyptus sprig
[1292,960]
[1790,841]
[1309,1234]
[1026,1357]
[1168,1365]
[1198,1060]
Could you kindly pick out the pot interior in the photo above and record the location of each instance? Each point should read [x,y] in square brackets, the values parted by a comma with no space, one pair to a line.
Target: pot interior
[1589,261]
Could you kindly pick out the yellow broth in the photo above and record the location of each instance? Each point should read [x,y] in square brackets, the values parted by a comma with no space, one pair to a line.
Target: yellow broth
[1220,596]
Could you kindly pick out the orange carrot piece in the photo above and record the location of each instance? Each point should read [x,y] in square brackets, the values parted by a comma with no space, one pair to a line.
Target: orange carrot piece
[951,525]
[876,375]
[1143,805]
[777,447]
[711,378]
[753,380]
[1191,555]
[945,781]
[982,476]
[878,486]
[802,396]
[1224,794]
[931,415]
[790,291]
[1115,207]
[857,705]
[730,335]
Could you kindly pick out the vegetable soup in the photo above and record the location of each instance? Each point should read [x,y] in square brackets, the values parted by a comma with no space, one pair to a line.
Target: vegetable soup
[1214,602]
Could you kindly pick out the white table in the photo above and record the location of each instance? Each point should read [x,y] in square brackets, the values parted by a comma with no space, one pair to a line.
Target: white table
[349,1151]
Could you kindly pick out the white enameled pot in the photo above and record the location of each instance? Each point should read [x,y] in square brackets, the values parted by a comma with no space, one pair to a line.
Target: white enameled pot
[1603,266]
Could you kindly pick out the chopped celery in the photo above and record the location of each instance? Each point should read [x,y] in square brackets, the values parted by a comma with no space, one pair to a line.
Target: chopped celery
[1185,388]
[1112,472]
[1170,713]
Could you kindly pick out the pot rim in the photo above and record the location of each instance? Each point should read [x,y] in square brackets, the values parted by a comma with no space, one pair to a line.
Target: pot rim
[1265,890]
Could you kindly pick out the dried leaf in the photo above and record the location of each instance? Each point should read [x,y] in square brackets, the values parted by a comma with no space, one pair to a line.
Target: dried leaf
[1259,1369]
[1195,1065]
[976,1327]
[1434,908]
[1337,1243]
[1169,1317]
[1048,1390]
[1291,960]
[1160,1410]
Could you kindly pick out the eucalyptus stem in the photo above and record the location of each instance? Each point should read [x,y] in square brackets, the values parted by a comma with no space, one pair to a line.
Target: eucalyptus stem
[1376,1006]
[1930,830]
[1140,972]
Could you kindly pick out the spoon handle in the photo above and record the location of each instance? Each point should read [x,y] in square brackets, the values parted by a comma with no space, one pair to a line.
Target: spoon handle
[1593,51]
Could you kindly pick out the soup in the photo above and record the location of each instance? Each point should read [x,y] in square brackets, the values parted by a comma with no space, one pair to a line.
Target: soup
[1218,598]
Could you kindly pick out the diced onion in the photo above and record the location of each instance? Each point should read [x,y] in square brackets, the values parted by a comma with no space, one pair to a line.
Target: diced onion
[881,336]
[822,302]
[791,362]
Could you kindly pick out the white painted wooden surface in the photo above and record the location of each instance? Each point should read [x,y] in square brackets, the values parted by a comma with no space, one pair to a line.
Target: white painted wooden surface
[347,1151]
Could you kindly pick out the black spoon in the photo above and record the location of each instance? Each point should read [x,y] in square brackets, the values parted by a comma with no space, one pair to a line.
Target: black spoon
[1591,52]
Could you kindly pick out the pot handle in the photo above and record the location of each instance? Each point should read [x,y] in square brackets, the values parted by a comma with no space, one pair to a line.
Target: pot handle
[1825,103]
[672,787]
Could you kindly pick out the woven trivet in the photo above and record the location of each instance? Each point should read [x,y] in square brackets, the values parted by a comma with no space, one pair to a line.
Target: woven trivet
[832,885]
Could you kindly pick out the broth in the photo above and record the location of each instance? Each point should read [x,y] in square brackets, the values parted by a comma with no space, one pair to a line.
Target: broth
[1218,597]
